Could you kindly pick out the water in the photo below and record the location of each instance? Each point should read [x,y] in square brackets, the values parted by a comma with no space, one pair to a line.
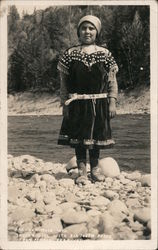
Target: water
[37,136]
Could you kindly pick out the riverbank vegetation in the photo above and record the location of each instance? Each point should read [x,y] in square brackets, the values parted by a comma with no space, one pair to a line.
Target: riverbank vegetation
[36,41]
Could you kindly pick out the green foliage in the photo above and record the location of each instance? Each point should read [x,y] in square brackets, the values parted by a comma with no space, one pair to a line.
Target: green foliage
[36,41]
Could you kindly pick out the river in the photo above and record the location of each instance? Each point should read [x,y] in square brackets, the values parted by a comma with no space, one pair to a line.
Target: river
[37,136]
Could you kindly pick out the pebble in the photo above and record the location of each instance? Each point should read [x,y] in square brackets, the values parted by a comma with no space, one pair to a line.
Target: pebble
[134,176]
[133,203]
[116,205]
[109,167]
[66,182]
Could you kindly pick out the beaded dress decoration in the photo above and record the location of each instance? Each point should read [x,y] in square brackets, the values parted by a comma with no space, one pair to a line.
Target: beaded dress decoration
[88,73]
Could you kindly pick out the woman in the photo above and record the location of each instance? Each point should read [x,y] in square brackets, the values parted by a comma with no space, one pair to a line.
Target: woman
[88,96]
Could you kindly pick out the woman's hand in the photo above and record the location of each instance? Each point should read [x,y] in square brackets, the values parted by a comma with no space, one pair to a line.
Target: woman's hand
[65,111]
[112,107]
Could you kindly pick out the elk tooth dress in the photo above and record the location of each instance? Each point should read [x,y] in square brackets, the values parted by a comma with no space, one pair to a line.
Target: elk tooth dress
[88,123]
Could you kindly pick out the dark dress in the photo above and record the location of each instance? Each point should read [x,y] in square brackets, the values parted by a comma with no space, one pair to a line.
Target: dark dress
[88,122]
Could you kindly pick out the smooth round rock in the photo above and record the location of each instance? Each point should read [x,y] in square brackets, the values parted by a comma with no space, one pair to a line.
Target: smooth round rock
[74,217]
[117,206]
[100,201]
[109,167]
[111,194]
[72,164]
[108,223]
[52,226]
[22,213]
[74,231]
[142,215]
[146,180]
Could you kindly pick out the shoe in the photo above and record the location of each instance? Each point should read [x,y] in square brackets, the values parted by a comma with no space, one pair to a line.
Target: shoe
[82,173]
[95,171]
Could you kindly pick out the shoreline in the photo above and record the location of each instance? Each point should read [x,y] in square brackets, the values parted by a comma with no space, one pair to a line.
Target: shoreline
[36,104]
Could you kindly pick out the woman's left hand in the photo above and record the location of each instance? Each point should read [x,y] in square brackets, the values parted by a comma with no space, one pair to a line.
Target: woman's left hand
[112,107]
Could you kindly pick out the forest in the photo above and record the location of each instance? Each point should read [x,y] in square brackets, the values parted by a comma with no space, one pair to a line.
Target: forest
[35,43]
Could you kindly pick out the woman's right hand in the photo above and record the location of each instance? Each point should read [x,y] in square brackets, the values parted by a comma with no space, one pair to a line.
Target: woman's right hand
[65,111]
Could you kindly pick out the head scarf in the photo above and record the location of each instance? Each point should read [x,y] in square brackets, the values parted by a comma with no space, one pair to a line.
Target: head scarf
[92,19]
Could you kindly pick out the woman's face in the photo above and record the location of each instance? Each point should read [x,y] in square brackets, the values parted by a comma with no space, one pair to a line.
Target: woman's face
[87,33]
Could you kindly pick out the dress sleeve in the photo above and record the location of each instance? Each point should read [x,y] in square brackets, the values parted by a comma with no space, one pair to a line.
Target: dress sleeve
[112,81]
[64,63]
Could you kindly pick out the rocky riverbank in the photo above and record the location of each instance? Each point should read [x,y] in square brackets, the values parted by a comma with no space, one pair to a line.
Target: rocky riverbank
[136,101]
[44,203]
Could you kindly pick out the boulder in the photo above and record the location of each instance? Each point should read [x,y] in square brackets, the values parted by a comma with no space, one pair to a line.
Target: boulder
[93,212]
[142,215]
[52,226]
[13,194]
[22,213]
[146,180]
[68,205]
[111,195]
[74,217]
[125,233]
[100,201]
[117,206]
[109,167]
[108,223]
[74,231]
[72,164]
[49,179]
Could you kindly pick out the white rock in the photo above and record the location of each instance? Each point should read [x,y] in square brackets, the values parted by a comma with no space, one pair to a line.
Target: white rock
[49,197]
[71,164]
[39,207]
[118,209]
[108,223]
[74,231]
[133,203]
[100,201]
[49,179]
[22,213]
[134,176]
[66,182]
[109,167]
[93,212]
[146,180]
[142,215]
[52,226]
[70,217]
[68,205]
[35,178]
[111,194]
